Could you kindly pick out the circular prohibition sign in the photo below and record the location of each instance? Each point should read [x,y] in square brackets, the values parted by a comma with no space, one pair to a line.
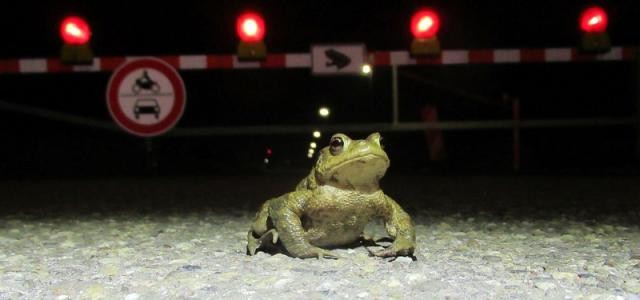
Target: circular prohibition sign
[146,97]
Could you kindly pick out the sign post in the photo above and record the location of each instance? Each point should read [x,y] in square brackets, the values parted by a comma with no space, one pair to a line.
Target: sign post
[637,60]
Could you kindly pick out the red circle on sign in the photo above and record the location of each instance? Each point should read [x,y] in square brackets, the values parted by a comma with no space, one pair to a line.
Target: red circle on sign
[131,125]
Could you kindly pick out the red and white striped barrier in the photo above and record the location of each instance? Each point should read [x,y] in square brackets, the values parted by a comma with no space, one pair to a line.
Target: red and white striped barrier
[501,56]
[303,60]
[181,62]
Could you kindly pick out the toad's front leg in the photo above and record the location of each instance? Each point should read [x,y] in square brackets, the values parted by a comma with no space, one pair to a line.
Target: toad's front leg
[285,212]
[400,228]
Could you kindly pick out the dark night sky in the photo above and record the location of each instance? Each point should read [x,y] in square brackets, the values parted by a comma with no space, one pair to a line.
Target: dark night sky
[30,29]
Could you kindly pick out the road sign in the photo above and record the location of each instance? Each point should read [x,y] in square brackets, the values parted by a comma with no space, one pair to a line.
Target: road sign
[146,96]
[337,59]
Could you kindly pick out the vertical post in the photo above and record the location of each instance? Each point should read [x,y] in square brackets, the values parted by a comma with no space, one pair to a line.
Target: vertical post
[516,133]
[151,160]
[394,93]
[434,136]
[637,79]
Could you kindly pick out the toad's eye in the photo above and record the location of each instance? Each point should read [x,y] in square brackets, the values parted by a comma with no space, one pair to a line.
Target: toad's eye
[336,145]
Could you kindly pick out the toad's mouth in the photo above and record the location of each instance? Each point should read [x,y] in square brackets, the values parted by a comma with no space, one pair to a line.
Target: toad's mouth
[364,160]
[358,172]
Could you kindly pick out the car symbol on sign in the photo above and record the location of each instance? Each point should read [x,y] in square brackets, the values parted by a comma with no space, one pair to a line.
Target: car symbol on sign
[146,106]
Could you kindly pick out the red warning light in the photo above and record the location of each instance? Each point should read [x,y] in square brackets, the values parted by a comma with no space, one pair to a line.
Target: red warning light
[250,27]
[269,152]
[594,19]
[425,24]
[75,31]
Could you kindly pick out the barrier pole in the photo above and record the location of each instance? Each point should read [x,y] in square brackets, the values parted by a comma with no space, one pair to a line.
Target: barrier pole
[434,136]
[516,133]
[394,94]
[637,59]
[152,163]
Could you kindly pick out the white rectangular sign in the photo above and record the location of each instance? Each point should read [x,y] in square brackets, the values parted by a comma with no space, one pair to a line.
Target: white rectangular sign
[337,59]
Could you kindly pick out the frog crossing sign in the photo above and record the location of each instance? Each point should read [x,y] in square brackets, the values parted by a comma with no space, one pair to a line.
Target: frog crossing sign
[337,59]
[146,97]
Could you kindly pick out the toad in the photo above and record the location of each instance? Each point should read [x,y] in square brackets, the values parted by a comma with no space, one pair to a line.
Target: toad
[332,205]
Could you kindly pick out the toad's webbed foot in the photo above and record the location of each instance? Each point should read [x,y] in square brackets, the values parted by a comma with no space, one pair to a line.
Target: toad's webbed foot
[393,251]
[368,240]
[268,239]
[309,251]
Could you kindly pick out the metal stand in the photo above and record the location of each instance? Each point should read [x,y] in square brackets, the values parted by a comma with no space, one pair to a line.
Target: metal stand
[637,54]
[152,163]
[394,94]
[516,133]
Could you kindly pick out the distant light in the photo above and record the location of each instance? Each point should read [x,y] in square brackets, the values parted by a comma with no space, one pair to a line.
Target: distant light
[311,151]
[75,31]
[266,160]
[317,134]
[323,112]
[313,145]
[250,27]
[310,155]
[269,152]
[594,19]
[425,24]
[366,69]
